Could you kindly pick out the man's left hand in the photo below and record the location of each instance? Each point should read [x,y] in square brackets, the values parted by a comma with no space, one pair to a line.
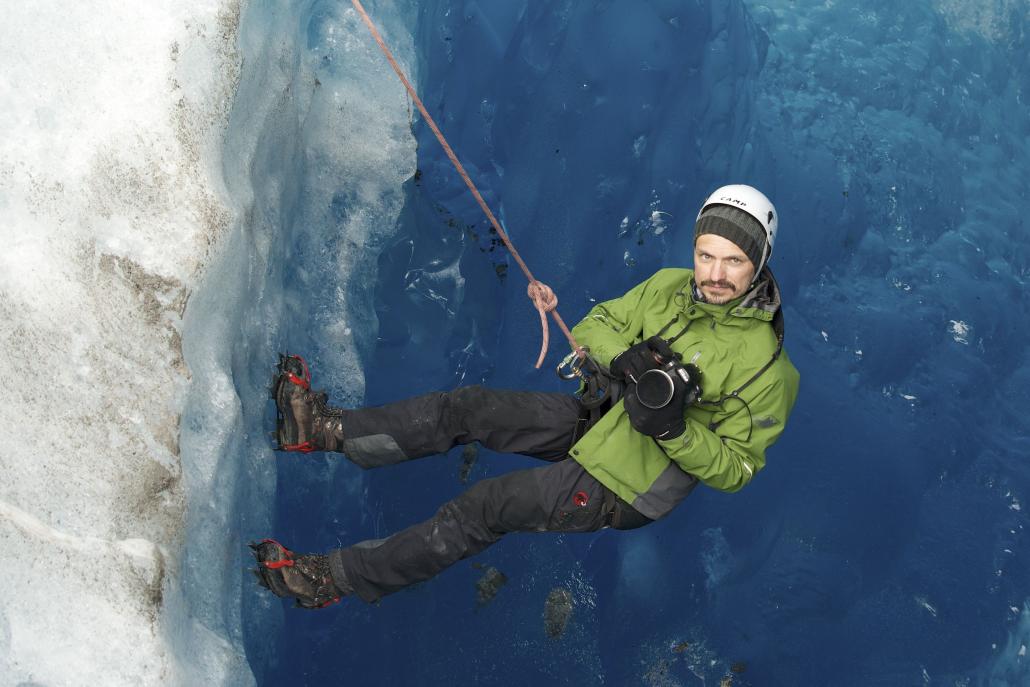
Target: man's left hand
[667,421]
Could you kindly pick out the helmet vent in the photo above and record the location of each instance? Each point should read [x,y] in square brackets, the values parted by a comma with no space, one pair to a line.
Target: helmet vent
[769,219]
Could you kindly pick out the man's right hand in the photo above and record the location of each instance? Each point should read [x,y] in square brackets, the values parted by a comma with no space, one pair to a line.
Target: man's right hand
[639,358]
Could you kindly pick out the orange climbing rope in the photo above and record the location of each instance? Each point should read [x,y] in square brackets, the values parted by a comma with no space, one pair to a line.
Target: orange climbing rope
[541,294]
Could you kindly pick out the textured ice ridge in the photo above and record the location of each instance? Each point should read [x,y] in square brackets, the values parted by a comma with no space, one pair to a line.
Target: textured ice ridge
[177,155]
[111,194]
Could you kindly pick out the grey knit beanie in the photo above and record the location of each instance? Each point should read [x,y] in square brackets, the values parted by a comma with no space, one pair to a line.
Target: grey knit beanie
[735,225]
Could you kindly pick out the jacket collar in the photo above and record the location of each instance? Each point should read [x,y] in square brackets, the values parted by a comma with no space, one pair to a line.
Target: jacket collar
[764,296]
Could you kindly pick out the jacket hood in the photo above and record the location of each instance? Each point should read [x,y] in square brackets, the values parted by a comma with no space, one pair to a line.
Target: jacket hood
[764,295]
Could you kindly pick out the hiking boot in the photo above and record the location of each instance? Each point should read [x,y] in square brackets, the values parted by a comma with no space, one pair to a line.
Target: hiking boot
[305,578]
[304,422]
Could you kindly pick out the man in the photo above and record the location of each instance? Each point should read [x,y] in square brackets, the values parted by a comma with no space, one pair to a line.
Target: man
[677,423]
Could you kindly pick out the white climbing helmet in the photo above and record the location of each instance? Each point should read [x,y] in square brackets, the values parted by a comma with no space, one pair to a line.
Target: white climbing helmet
[753,202]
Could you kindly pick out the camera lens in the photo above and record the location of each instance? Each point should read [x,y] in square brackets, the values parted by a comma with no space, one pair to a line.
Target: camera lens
[655,389]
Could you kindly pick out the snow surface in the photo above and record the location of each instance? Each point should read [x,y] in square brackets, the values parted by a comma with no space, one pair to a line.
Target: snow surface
[111,197]
[188,190]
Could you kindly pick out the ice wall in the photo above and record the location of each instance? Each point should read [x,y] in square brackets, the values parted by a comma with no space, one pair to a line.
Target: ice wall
[186,192]
[111,201]
[317,153]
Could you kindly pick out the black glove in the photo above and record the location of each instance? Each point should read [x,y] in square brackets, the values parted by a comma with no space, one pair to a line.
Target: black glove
[639,358]
[654,415]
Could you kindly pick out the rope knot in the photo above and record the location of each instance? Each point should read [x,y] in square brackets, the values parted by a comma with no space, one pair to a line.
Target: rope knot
[542,296]
[545,301]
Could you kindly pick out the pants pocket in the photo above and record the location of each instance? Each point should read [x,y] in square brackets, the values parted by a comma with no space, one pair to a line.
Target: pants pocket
[578,520]
[626,517]
[584,512]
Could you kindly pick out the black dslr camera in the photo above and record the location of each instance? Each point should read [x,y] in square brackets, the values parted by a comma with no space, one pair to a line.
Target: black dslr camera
[656,388]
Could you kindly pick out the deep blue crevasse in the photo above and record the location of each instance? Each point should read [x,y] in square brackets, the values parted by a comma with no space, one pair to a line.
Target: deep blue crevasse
[884,544]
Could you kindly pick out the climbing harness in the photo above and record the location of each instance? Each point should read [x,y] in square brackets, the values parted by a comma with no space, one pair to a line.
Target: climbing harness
[542,296]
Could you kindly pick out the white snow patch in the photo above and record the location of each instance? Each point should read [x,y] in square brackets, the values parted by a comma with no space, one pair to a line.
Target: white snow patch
[898,284]
[111,184]
[623,227]
[639,146]
[959,331]
[930,608]
[658,221]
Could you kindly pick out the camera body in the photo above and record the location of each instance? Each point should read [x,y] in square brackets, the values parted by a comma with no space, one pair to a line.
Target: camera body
[656,388]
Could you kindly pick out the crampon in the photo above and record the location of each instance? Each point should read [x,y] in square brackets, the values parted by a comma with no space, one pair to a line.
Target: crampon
[304,423]
[306,578]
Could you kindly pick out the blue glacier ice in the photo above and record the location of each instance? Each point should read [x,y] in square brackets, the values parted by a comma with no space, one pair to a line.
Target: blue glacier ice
[885,542]
[193,188]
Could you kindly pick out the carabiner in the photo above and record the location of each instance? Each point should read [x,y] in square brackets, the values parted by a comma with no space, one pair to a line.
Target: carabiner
[570,361]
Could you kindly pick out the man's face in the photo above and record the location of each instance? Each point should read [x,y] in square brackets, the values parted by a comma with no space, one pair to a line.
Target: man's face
[722,271]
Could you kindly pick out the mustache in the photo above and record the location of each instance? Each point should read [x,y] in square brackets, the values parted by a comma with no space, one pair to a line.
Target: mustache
[723,284]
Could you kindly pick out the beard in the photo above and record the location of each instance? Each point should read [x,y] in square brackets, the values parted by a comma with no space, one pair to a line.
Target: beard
[718,297]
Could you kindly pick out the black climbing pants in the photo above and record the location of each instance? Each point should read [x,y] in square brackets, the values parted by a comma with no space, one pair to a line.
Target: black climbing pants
[558,497]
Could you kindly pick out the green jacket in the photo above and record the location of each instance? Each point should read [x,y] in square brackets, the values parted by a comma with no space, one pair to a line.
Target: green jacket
[724,444]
